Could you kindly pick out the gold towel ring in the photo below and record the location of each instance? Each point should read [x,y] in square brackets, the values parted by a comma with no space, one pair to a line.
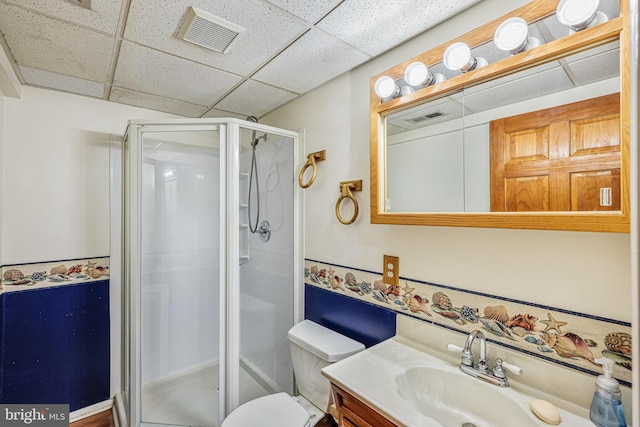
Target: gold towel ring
[312,158]
[345,193]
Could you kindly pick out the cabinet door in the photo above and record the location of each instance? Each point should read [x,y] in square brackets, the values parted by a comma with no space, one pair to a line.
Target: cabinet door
[565,158]
[355,413]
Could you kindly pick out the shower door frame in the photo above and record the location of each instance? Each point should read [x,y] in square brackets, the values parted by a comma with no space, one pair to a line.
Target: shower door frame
[229,309]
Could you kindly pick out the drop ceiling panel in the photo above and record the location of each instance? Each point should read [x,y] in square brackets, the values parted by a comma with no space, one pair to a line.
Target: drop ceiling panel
[375,26]
[267,31]
[512,91]
[61,82]
[253,98]
[299,72]
[103,16]
[157,73]
[595,68]
[309,10]
[520,75]
[58,45]
[153,102]
[41,42]
[215,113]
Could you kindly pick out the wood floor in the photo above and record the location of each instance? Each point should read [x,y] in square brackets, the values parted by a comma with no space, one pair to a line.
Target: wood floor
[105,419]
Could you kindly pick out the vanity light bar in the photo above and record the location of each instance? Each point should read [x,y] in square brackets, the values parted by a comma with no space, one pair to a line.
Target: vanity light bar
[512,36]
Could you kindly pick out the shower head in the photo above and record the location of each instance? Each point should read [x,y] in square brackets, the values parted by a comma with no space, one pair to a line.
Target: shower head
[254,141]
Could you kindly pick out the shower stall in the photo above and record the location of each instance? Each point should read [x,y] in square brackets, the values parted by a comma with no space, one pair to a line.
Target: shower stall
[211,255]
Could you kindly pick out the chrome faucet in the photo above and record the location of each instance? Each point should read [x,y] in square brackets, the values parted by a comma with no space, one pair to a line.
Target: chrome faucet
[467,356]
[497,376]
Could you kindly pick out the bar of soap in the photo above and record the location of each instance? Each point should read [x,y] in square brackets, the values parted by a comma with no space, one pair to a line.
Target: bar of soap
[546,411]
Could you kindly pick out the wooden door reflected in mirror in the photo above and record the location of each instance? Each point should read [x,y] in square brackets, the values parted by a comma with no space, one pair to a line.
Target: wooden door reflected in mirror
[565,158]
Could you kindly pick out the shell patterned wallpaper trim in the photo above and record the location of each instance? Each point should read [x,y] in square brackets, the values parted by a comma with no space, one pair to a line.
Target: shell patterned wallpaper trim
[53,273]
[567,338]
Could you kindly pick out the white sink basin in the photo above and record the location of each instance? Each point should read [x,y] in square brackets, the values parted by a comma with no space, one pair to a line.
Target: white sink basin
[416,389]
[453,398]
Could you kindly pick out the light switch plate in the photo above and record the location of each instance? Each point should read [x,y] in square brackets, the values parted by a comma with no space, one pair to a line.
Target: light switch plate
[391,270]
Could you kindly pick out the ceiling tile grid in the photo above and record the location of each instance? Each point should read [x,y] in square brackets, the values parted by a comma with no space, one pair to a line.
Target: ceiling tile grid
[299,70]
[45,43]
[375,26]
[62,82]
[215,113]
[158,73]
[287,48]
[253,98]
[310,11]
[154,102]
[103,16]
[268,30]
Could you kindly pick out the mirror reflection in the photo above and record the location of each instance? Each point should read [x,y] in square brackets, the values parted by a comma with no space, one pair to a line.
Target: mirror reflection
[542,139]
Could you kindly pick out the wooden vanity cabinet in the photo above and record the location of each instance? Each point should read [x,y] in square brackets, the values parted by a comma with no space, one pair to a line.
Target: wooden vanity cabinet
[355,413]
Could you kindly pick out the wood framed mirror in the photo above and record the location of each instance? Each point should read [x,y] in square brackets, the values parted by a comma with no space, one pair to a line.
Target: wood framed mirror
[533,140]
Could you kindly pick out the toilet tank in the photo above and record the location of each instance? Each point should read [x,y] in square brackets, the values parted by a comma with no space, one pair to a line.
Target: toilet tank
[312,348]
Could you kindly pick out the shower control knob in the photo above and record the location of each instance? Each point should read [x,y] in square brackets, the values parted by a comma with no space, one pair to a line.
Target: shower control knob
[265,231]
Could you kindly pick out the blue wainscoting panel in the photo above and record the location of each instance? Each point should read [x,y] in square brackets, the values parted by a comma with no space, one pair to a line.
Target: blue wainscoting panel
[361,321]
[55,345]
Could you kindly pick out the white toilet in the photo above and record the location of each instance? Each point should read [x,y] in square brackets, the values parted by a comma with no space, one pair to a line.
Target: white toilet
[312,348]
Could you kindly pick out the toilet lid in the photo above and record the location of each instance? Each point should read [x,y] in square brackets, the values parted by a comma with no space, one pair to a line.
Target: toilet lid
[274,410]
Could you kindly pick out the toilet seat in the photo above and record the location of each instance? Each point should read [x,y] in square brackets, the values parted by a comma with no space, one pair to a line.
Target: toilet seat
[274,410]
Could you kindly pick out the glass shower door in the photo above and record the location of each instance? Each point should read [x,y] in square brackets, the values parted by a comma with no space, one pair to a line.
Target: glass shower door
[266,191]
[180,319]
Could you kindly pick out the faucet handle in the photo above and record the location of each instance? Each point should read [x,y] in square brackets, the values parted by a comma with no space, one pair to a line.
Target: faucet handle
[513,368]
[499,372]
[455,348]
[467,357]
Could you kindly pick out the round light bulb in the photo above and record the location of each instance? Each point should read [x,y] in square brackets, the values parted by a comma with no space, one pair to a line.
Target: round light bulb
[386,87]
[458,57]
[511,35]
[577,14]
[417,74]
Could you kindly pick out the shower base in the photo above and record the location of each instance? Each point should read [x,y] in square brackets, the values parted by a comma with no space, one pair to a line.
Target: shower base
[192,398]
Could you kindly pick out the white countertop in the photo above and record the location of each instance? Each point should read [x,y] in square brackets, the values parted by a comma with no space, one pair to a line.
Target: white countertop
[371,377]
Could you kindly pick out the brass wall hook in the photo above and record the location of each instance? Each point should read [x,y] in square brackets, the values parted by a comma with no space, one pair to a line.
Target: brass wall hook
[312,158]
[346,192]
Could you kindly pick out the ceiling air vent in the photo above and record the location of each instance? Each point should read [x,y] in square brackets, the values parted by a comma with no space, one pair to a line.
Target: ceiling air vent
[207,30]
[426,117]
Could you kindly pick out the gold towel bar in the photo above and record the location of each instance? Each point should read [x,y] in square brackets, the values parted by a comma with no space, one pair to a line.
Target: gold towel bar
[312,158]
[346,188]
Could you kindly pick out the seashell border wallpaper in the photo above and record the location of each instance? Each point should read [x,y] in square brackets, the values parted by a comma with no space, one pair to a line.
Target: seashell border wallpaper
[560,336]
[53,273]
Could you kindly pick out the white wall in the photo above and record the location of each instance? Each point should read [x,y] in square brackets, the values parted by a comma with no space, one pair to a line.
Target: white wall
[56,159]
[571,270]
[428,174]
[54,164]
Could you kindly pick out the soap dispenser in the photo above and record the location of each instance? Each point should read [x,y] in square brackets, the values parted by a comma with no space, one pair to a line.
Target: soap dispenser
[606,407]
